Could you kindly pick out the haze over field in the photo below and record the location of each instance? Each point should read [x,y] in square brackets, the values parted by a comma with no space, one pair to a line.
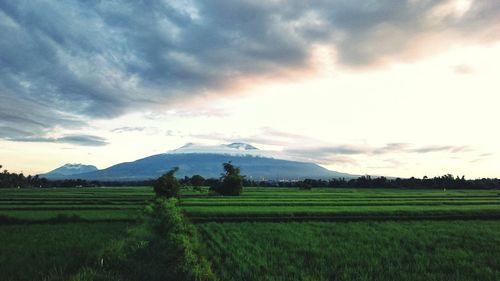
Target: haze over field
[397,88]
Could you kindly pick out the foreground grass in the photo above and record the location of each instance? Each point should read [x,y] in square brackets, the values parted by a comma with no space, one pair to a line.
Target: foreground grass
[163,247]
[419,250]
[166,247]
[52,252]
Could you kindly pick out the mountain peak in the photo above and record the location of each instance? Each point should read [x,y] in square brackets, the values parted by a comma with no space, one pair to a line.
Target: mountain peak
[71,169]
[75,165]
[235,148]
[187,145]
[241,146]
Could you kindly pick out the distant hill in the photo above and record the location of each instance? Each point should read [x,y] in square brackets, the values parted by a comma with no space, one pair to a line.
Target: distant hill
[207,161]
[68,170]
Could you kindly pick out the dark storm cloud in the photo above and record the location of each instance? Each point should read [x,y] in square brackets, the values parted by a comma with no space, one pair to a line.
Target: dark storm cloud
[85,140]
[64,62]
[12,132]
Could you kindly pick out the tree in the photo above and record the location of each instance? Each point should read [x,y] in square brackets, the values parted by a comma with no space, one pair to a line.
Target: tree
[231,182]
[306,184]
[167,185]
[197,181]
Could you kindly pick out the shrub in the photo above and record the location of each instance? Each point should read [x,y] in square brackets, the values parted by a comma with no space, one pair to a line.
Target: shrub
[197,181]
[167,185]
[231,182]
[164,247]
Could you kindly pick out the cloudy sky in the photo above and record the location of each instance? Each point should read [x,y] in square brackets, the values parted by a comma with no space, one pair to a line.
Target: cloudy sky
[390,87]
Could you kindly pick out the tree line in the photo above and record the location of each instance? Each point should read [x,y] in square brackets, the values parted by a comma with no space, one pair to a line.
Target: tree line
[232,173]
[440,182]
[19,180]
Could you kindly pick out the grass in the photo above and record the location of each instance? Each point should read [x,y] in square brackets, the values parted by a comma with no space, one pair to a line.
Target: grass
[99,204]
[421,250]
[45,215]
[52,252]
[60,234]
[50,234]
[65,234]
[124,202]
[286,203]
[366,250]
[163,247]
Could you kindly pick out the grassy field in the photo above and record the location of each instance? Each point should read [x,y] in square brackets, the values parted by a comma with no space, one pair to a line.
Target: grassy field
[91,204]
[102,204]
[52,251]
[416,250]
[50,234]
[331,204]
[267,233]
[376,248]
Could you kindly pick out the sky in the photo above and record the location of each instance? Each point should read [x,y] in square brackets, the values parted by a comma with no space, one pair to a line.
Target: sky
[395,88]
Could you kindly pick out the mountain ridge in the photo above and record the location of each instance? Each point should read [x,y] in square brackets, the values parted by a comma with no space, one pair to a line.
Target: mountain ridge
[207,162]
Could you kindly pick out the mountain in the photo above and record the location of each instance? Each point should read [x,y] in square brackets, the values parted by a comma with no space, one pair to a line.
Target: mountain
[236,148]
[68,170]
[241,146]
[207,161]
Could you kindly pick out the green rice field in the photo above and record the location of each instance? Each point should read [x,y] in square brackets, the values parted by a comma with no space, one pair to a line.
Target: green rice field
[267,233]
[53,251]
[255,204]
[71,204]
[339,204]
[410,250]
